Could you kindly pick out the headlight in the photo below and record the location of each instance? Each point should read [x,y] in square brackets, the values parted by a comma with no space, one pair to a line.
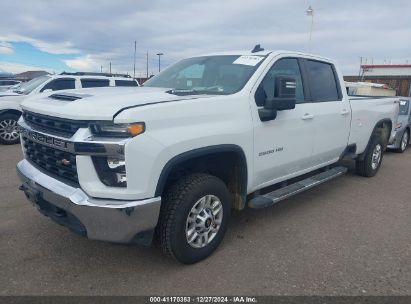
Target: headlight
[111,171]
[110,129]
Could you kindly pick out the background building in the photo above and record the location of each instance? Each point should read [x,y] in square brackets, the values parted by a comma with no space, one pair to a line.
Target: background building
[395,76]
[29,75]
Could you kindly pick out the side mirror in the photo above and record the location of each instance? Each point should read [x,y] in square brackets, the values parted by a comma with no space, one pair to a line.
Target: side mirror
[284,93]
[284,98]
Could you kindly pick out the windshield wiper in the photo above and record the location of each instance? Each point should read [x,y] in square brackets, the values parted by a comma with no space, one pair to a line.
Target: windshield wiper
[183,92]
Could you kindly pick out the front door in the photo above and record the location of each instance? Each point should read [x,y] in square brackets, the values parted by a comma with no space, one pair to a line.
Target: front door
[283,146]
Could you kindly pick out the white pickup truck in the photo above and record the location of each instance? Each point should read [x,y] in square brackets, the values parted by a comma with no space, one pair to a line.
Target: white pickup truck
[207,135]
[10,101]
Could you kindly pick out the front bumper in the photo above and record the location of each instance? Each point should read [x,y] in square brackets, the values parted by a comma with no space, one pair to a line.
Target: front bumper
[98,219]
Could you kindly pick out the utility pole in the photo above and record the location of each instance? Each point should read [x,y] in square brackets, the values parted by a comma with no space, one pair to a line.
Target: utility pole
[101,69]
[359,72]
[110,67]
[147,64]
[135,48]
[159,61]
[310,12]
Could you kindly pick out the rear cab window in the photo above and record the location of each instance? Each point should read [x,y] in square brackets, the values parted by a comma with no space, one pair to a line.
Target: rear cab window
[126,83]
[323,82]
[94,83]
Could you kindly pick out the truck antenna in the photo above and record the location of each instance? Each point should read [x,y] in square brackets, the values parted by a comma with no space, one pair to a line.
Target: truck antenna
[257,48]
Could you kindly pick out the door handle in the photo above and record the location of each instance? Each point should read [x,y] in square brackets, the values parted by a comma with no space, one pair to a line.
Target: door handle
[344,112]
[307,116]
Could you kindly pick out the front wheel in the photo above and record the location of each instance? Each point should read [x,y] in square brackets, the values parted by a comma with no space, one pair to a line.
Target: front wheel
[369,166]
[9,134]
[193,217]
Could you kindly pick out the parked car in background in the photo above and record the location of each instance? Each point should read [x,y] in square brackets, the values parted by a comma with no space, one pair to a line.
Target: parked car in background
[10,100]
[402,129]
[6,84]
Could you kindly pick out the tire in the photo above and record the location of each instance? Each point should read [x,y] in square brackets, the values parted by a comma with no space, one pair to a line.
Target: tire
[180,214]
[8,129]
[371,163]
[405,139]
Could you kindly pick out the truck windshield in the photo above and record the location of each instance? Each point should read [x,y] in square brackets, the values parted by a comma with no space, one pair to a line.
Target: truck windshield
[207,75]
[28,87]
[404,104]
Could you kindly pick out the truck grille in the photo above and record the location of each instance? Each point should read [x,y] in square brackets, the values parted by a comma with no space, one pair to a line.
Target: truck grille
[54,125]
[61,164]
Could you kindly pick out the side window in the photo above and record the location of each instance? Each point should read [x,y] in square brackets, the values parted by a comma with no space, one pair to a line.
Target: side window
[59,84]
[404,104]
[94,83]
[126,83]
[322,81]
[286,66]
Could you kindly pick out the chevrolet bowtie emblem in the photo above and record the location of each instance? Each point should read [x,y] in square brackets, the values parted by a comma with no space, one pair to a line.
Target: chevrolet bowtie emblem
[65,162]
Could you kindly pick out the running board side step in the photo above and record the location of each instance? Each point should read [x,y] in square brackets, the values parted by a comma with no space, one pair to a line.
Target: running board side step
[274,197]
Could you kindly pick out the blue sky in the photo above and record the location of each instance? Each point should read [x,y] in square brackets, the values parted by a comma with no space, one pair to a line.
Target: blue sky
[25,53]
[83,35]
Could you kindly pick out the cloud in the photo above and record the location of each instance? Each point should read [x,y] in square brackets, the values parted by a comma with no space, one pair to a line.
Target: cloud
[86,63]
[16,68]
[6,48]
[104,31]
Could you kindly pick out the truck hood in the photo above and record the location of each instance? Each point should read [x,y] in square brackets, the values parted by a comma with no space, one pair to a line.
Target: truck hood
[98,103]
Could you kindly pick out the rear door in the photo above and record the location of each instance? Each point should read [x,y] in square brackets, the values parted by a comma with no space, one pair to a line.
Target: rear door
[331,113]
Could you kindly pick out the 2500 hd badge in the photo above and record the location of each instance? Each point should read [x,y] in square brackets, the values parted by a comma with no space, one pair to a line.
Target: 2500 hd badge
[279,149]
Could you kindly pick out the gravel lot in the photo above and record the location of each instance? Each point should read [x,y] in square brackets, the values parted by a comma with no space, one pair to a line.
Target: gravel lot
[350,236]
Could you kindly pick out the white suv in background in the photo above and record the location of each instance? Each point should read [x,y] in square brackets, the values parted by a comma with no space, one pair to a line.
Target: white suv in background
[10,101]
[6,84]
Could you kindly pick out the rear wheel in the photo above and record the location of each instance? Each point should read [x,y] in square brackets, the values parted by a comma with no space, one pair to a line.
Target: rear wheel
[194,216]
[369,166]
[404,142]
[9,134]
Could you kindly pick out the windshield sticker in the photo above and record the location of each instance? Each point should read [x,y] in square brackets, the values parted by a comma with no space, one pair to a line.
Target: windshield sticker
[248,60]
[403,102]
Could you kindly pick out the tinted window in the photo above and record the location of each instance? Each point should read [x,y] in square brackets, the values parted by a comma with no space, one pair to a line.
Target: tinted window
[323,85]
[404,104]
[59,84]
[94,83]
[126,83]
[283,67]
[8,82]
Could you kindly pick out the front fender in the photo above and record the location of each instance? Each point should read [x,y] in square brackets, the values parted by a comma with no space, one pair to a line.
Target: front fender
[7,103]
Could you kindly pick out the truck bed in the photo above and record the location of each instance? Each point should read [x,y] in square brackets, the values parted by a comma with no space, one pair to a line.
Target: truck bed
[366,111]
